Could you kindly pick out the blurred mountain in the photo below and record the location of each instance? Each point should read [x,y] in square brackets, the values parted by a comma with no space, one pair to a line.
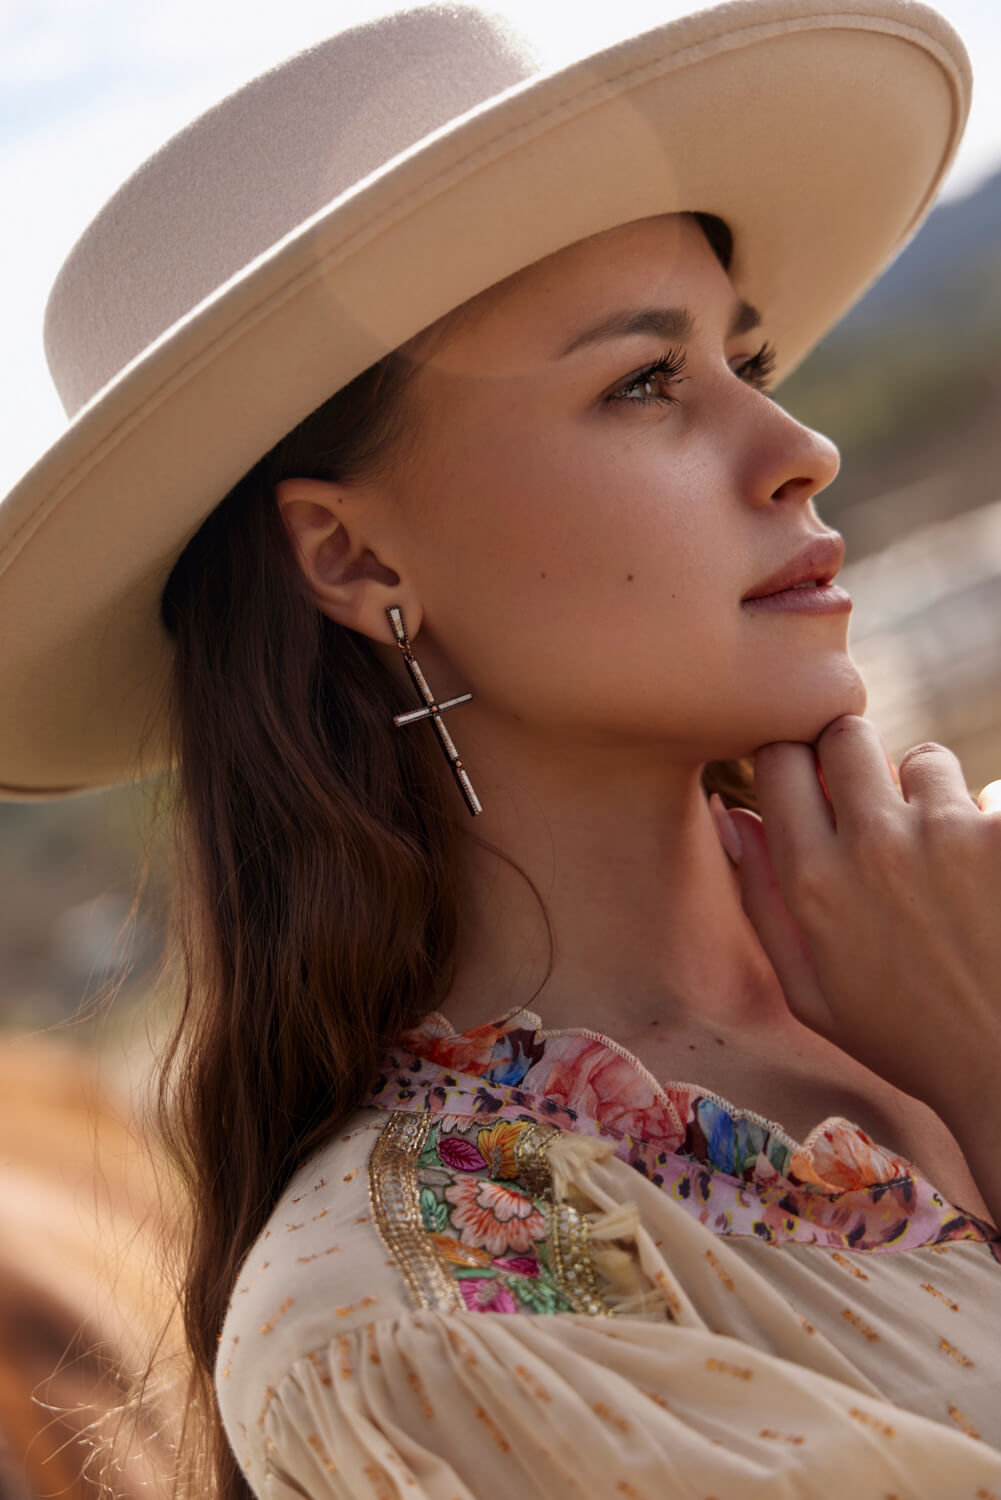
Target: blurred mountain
[957,246]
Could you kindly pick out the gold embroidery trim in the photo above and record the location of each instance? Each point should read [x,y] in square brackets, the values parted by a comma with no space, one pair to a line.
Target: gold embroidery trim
[394,1193]
[568,1229]
[573,1271]
[533,1165]
[396,1206]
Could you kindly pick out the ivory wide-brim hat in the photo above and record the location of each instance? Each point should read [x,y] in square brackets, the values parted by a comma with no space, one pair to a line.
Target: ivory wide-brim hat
[334,206]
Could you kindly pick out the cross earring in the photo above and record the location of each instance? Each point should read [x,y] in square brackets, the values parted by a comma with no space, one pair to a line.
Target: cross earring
[432,710]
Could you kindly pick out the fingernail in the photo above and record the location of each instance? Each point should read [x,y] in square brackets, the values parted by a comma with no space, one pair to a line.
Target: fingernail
[893,770]
[990,797]
[726,828]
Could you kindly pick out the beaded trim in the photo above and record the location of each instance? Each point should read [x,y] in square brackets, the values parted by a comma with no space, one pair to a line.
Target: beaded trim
[570,1255]
[533,1164]
[394,1193]
[395,1198]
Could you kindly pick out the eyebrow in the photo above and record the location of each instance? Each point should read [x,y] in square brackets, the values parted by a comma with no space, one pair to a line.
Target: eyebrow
[674,323]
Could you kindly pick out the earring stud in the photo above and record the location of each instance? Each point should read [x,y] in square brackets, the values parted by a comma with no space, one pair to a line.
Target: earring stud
[431,710]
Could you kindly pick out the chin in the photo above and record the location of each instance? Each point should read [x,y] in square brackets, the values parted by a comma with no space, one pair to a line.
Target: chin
[804,709]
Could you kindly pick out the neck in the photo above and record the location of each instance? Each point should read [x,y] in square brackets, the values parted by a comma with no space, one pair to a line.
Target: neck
[647,925]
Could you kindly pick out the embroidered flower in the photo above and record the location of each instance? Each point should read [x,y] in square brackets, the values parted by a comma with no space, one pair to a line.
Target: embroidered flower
[494,1216]
[498,1143]
[486,1294]
[449,1122]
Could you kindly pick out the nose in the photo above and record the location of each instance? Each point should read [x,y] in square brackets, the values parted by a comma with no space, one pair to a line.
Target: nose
[786,461]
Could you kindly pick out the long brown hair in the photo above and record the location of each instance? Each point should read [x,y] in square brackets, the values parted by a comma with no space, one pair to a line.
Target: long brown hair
[316,903]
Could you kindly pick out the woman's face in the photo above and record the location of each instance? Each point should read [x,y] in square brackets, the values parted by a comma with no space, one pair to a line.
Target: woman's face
[582,539]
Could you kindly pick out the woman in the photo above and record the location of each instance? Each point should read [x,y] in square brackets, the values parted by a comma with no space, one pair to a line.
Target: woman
[550,524]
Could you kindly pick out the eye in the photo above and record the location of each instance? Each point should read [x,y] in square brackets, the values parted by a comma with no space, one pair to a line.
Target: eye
[665,371]
[668,370]
[757,370]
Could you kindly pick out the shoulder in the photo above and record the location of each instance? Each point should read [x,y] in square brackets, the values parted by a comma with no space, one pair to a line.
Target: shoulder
[405,1213]
[401,1211]
[319,1267]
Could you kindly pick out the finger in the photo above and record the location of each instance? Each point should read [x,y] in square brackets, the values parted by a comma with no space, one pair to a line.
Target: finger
[989,800]
[931,776]
[856,768]
[784,944]
[792,803]
[725,830]
[893,770]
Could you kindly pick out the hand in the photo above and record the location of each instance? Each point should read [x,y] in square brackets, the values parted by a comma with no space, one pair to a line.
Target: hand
[877,905]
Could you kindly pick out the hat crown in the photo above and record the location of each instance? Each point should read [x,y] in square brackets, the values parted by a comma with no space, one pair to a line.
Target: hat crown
[249,171]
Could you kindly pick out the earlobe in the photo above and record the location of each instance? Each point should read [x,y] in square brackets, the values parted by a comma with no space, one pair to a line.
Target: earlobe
[348,581]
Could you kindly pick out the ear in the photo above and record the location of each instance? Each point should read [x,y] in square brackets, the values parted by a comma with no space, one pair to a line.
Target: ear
[330,526]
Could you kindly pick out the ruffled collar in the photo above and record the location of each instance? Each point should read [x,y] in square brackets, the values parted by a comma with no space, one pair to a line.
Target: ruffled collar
[737,1172]
[595,1077]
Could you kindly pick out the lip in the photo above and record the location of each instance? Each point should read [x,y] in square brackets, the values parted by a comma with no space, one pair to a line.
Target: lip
[818,562]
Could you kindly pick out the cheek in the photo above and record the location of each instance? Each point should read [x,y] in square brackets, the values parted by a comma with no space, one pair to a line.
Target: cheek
[584,500]
[570,575]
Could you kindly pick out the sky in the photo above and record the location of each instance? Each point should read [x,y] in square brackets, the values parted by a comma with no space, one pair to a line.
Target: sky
[90,88]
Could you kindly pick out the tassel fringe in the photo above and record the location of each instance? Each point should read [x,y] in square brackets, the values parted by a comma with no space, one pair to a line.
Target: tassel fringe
[623,1287]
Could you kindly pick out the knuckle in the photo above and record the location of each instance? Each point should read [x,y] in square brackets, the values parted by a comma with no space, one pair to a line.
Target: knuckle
[947,828]
[878,841]
[847,726]
[927,750]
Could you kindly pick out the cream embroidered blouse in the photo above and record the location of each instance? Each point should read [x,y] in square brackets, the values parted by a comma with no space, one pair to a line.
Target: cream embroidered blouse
[526,1269]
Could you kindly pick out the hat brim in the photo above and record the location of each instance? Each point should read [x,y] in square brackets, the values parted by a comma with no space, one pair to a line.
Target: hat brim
[819,132]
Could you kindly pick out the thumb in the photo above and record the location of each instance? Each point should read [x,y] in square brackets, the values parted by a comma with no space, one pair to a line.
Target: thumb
[782,939]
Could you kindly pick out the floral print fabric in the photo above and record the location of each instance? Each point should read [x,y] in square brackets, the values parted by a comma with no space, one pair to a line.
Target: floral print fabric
[737,1173]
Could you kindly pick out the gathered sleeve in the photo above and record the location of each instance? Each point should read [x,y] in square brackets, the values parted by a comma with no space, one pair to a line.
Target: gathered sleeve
[445,1310]
[442,1406]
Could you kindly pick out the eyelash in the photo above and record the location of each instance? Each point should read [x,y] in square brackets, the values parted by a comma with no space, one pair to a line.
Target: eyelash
[755,371]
